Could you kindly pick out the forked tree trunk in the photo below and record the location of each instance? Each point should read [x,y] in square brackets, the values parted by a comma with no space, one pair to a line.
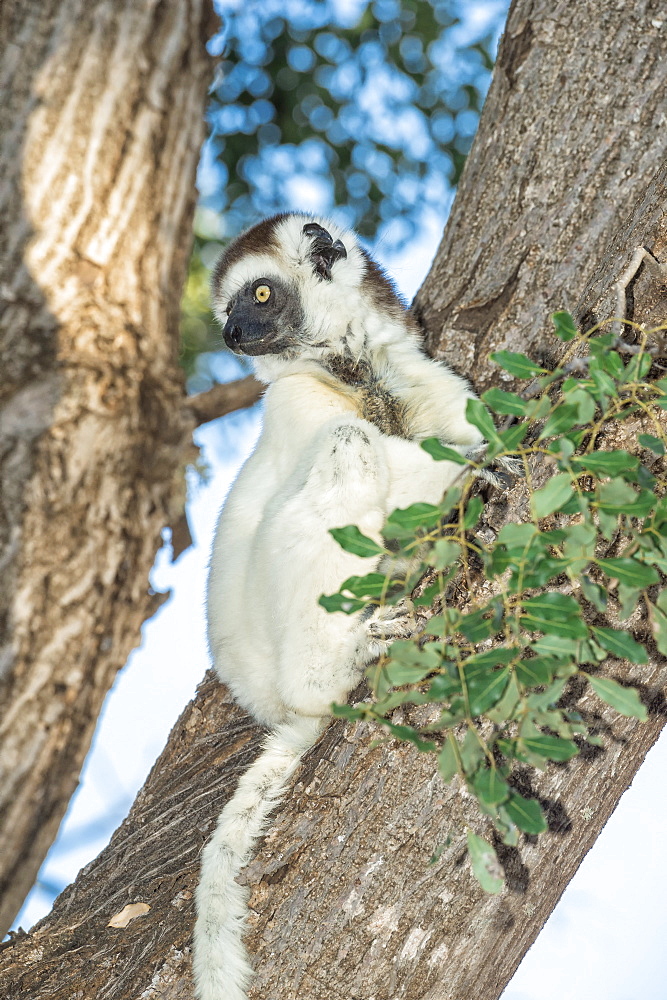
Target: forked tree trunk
[562,183]
[102,122]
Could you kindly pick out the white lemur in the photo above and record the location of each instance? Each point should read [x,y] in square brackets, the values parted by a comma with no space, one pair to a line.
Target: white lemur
[350,396]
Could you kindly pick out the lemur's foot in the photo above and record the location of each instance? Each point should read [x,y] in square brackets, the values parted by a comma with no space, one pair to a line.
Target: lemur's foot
[393,621]
[503,471]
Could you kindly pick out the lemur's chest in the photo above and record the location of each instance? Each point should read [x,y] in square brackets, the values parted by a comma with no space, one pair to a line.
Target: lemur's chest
[370,395]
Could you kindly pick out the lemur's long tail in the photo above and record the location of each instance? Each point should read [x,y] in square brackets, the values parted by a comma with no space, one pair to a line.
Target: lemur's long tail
[220,963]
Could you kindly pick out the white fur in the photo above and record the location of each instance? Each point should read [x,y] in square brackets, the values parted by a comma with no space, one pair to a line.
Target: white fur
[318,465]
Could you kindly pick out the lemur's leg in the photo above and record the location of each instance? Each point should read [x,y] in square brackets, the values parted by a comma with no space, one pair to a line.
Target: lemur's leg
[414,477]
[343,479]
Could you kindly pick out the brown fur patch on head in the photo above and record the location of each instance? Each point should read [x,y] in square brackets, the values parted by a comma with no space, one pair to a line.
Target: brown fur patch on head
[258,239]
[381,289]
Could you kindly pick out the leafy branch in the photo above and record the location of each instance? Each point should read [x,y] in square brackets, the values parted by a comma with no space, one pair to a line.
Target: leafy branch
[496,671]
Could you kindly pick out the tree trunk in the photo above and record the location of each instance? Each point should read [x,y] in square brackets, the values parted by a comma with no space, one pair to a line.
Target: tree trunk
[572,132]
[560,186]
[102,122]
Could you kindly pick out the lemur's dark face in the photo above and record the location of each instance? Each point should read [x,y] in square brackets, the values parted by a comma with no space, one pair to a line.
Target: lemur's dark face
[293,289]
[264,317]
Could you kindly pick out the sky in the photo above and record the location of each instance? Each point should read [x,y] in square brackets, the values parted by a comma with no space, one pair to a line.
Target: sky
[604,940]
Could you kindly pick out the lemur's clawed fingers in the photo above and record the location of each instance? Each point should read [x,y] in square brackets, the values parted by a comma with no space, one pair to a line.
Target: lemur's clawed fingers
[393,622]
[503,471]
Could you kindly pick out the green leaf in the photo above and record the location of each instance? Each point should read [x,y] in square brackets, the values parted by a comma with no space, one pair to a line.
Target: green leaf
[404,523]
[654,443]
[475,627]
[513,436]
[471,752]
[409,735]
[504,402]
[620,644]
[579,547]
[441,453]
[478,415]
[577,504]
[585,404]
[473,512]
[551,747]
[565,326]
[538,670]
[544,700]
[445,553]
[349,711]
[485,687]
[403,673]
[637,368]
[612,363]
[443,686]
[593,592]
[556,645]
[628,597]
[485,865]
[525,813]
[438,625]
[352,540]
[338,602]
[618,497]
[659,628]
[554,613]
[604,384]
[366,587]
[515,749]
[564,418]
[539,407]
[490,787]
[517,536]
[591,652]
[624,700]
[448,763]
[629,571]
[504,709]
[499,656]
[552,496]
[427,597]
[407,651]
[606,463]
[517,364]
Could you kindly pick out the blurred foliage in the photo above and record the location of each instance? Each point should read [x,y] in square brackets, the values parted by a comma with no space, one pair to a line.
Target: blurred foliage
[365,110]
[199,331]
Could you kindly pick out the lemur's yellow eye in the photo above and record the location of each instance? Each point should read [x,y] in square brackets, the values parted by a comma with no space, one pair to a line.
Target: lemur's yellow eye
[262,293]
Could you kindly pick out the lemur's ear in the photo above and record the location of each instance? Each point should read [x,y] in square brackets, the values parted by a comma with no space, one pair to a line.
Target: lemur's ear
[323,251]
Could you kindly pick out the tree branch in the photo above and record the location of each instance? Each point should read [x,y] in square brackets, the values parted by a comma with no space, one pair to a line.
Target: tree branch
[224,398]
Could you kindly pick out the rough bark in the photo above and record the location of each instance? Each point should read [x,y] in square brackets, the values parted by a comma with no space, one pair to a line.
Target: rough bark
[102,121]
[152,858]
[344,902]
